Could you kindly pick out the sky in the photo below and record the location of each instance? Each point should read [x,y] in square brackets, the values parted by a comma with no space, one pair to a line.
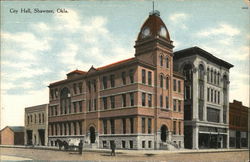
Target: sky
[40,48]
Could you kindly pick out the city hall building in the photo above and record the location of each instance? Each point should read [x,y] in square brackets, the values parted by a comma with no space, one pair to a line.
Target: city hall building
[136,103]
[206,99]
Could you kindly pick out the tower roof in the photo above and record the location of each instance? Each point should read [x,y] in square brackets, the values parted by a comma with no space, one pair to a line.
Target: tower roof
[153,27]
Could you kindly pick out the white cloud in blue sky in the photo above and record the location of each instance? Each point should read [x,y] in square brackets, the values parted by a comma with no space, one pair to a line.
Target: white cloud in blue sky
[37,49]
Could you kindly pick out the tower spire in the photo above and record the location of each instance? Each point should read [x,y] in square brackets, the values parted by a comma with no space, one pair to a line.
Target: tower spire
[153,6]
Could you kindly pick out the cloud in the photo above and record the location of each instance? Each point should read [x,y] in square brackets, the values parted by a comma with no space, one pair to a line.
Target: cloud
[26,41]
[221,29]
[178,19]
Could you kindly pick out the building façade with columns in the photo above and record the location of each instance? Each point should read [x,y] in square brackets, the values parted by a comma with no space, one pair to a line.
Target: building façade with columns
[136,103]
[206,99]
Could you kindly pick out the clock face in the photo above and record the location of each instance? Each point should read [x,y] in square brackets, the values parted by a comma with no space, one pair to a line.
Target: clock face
[163,32]
[145,32]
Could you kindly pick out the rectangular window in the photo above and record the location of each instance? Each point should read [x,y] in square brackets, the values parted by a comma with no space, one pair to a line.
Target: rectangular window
[174,104]
[143,99]
[123,144]
[95,104]
[112,124]
[143,75]
[131,144]
[104,82]
[124,100]
[89,105]
[55,110]
[131,125]
[149,144]
[94,85]
[167,102]
[74,87]
[208,94]
[112,101]
[131,75]
[167,62]
[124,78]
[179,128]
[89,86]
[131,99]
[105,130]
[105,105]
[143,125]
[143,144]
[215,96]
[174,127]
[112,80]
[149,100]
[179,105]
[104,144]
[213,115]
[218,98]
[179,86]
[74,107]
[149,78]
[174,84]
[124,126]
[212,95]
[80,106]
[161,101]
[80,87]
[149,126]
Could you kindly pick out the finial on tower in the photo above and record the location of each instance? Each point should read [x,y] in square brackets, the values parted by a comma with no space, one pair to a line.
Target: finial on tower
[154,12]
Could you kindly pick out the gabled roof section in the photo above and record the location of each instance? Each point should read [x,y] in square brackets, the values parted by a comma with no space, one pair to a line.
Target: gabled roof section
[116,63]
[77,72]
[198,51]
[92,70]
[15,128]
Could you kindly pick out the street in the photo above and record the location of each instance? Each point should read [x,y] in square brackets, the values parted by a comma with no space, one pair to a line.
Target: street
[138,156]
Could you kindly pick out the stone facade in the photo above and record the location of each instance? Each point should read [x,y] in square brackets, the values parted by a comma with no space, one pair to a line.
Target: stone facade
[36,125]
[238,125]
[137,102]
[206,98]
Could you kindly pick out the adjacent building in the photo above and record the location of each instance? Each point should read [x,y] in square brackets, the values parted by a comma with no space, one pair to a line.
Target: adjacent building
[136,103]
[238,125]
[206,104]
[12,135]
[36,125]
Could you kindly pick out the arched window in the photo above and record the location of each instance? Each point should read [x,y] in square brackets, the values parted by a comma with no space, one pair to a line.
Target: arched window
[65,101]
[208,74]
[201,72]
[161,84]
[167,82]
[187,72]
[212,74]
[215,77]
[218,78]
[161,60]
[167,62]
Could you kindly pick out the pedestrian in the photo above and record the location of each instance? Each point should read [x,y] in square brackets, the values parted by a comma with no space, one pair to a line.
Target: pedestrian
[80,145]
[113,148]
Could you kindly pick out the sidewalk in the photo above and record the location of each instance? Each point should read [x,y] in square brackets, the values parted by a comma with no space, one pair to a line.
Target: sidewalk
[147,152]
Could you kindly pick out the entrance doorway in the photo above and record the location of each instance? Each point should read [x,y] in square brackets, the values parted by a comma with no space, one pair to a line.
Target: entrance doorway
[164,134]
[42,136]
[92,134]
[29,137]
